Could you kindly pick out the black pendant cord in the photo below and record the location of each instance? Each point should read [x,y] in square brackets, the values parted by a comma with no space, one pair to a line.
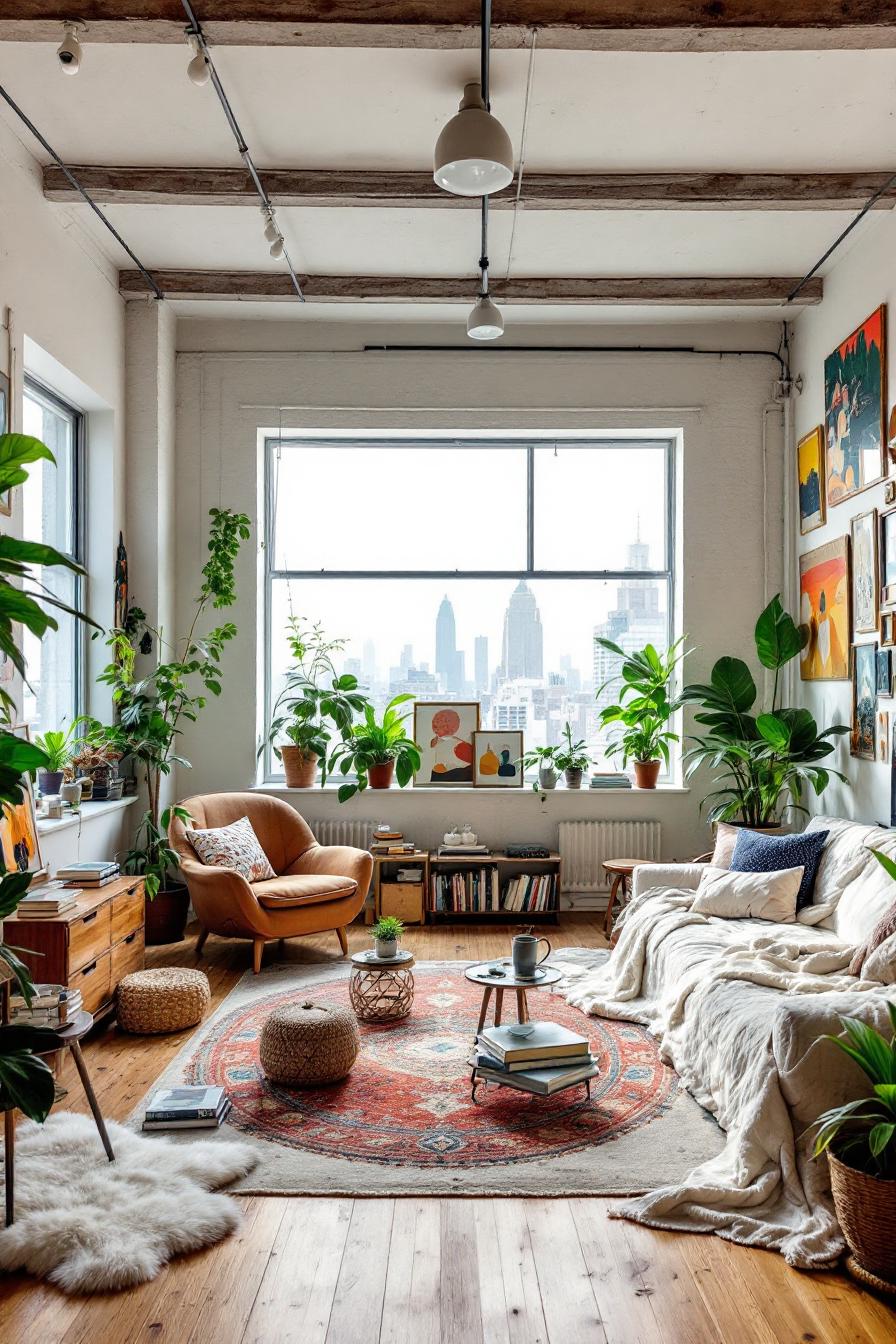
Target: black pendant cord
[869,204]
[485,40]
[483,256]
[73,181]
[195,30]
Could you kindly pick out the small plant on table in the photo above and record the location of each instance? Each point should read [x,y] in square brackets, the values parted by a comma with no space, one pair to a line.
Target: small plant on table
[386,934]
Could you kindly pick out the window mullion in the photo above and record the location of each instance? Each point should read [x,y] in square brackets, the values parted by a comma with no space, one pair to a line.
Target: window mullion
[530,508]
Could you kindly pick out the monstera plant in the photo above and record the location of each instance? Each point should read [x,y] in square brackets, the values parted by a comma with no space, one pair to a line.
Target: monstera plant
[763,758]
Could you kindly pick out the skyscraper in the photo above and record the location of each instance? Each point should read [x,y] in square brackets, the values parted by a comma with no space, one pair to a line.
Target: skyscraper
[448,664]
[635,621]
[480,663]
[523,650]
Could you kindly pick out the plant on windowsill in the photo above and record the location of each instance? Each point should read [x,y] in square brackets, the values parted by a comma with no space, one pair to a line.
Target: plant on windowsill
[57,745]
[544,760]
[154,709]
[313,698]
[572,758]
[645,707]
[375,750]
[386,934]
[763,760]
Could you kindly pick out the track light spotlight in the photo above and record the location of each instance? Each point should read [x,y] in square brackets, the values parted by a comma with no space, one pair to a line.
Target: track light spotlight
[271,232]
[277,247]
[197,70]
[473,155]
[69,52]
[485,322]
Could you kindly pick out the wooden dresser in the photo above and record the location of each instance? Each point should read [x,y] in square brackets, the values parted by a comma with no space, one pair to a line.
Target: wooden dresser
[91,947]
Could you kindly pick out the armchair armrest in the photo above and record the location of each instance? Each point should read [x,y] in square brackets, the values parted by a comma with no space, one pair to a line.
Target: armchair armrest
[681,876]
[218,894]
[335,861]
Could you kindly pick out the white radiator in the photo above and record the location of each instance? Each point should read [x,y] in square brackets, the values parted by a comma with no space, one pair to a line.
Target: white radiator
[355,833]
[584,845]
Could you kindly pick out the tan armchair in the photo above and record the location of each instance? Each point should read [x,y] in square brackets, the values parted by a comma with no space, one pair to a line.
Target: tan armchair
[317,887]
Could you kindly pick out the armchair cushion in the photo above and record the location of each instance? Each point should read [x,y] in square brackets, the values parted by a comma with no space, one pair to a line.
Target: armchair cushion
[281,892]
[235,846]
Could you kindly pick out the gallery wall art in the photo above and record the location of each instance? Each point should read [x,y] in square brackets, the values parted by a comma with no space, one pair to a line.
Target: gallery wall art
[825,611]
[443,730]
[863,531]
[810,479]
[497,759]
[864,701]
[854,415]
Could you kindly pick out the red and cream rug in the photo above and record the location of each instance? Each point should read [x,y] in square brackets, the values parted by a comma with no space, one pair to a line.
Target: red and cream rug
[403,1121]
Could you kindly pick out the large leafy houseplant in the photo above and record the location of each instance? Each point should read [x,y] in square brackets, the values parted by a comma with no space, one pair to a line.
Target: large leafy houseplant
[646,705]
[762,760]
[373,749]
[314,700]
[153,709]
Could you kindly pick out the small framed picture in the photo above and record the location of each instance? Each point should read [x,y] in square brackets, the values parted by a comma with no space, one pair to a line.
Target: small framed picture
[444,732]
[496,759]
[19,841]
[883,735]
[888,558]
[864,573]
[864,701]
[884,664]
[888,628]
[810,474]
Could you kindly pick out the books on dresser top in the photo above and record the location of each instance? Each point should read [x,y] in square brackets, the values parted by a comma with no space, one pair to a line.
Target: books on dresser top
[49,898]
[88,870]
[186,1108]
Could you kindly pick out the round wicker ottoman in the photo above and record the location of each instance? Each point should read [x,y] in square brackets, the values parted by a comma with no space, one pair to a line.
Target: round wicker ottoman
[168,999]
[306,1044]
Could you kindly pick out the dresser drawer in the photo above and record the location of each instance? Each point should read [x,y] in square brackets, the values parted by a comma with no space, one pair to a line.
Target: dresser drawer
[94,981]
[88,937]
[127,956]
[127,911]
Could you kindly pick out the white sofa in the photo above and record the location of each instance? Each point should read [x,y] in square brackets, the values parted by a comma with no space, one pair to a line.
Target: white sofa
[740,1007]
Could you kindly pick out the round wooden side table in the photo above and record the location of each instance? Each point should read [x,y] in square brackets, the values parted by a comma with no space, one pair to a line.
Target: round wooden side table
[620,870]
[481,974]
[379,990]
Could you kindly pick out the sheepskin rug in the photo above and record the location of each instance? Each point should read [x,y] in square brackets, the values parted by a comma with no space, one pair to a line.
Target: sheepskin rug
[90,1225]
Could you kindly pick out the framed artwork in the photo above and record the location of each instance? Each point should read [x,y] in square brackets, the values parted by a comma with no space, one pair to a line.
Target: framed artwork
[443,730]
[810,474]
[888,628]
[496,759]
[884,665]
[825,611]
[883,735]
[854,410]
[19,841]
[864,701]
[887,551]
[5,427]
[865,605]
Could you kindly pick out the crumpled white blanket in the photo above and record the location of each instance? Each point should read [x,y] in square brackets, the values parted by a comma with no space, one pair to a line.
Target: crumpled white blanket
[739,1015]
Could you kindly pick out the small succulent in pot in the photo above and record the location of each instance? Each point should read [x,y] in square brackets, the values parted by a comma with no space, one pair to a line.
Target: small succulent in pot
[386,934]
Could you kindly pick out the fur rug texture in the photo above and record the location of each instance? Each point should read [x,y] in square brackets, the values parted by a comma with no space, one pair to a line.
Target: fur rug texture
[90,1225]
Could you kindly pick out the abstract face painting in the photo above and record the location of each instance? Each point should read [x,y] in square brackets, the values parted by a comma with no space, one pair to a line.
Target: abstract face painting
[824,610]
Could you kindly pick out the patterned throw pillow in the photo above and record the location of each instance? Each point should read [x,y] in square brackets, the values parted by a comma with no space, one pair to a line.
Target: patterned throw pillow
[758,853]
[235,846]
[883,929]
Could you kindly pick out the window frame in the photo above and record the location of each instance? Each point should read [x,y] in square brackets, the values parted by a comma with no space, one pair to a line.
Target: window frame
[40,392]
[273,443]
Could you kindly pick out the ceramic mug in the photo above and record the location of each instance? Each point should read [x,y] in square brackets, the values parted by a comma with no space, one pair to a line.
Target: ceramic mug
[525,955]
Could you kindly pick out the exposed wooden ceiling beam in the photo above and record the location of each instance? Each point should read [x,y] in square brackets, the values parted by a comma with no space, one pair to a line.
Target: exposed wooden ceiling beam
[637,290]
[541,191]
[654,25]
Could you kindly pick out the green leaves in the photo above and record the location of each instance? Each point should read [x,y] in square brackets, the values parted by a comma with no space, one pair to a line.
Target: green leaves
[885,862]
[778,638]
[26,1080]
[16,450]
[865,1130]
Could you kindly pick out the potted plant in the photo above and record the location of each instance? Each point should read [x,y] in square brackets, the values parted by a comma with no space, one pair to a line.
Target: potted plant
[544,759]
[860,1141]
[377,750]
[645,708]
[313,697]
[386,934]
[56,746]
[153,709]
[96,755]
[762,760]
[572,758]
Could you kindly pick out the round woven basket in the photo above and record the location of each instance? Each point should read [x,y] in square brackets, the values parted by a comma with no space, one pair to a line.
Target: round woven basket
[307,1044]
[168,999]
[866,1212]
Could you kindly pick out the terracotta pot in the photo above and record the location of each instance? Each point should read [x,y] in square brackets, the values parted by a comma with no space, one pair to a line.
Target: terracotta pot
[300,767]
[166,916]
[380,776]
[646,774]
[573,778]
[866,1212]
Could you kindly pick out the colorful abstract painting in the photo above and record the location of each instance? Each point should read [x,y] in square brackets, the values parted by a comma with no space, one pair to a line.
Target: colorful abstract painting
[497,758]
[854,401]
[864,701]
[19,843]
[443,730]
[810,471]
[825,611]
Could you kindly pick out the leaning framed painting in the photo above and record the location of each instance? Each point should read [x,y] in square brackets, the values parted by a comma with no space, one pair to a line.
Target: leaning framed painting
[864,701]
[498,759]
[855,397]
[5,428]
[443,730]
[810,479]
[825,611]
[19,841]
[865,605]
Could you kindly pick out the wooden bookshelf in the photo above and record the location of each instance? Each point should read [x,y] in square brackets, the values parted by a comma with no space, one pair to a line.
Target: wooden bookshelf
[507,869]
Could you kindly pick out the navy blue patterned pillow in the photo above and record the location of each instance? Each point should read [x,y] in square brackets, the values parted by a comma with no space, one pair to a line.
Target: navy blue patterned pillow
[756,852]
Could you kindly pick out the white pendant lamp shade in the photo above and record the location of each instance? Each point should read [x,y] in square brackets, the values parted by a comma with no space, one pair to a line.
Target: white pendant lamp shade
[485,322]
[473,156]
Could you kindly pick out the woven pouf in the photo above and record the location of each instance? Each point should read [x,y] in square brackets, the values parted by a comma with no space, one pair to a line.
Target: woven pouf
[168,999]
[306,1044]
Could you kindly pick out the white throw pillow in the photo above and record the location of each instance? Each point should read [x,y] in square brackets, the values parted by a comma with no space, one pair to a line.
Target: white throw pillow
[235,846]
[868,896]
[880,964]
[749,895]
[843,857]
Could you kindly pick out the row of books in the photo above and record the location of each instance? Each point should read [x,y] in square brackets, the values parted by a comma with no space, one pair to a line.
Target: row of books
[51,1006]
[535,892]
[186,1108]
[478,891]
[545,1061]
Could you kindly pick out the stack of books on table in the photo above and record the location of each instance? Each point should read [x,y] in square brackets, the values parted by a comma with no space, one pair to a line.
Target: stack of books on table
[89,873]
[609,779]
[47,900]
[51,1006]
[387,843]
[550,1058]
[186,1108]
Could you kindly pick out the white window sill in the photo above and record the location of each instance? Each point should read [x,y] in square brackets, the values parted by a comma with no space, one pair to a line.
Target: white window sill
[89,811]
[277,786]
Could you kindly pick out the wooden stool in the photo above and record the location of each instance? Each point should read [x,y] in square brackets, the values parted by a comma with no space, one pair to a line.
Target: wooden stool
[620,870]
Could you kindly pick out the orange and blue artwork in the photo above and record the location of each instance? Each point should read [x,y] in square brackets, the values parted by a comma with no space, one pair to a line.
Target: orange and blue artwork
[498,759]
[825,612]
[444,733]
[854,401]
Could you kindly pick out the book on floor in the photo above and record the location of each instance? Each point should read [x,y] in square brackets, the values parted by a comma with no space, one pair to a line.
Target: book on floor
[486,1060]
[543,1082]
[206,1122]
[185,1103]
[546,1040]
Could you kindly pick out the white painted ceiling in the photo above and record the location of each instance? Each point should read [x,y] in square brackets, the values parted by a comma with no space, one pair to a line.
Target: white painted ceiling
[589,111]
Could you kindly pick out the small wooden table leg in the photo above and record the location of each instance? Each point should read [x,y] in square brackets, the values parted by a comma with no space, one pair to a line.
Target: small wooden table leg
[618,881]
[522,1006]
[499,1006]
[9,1158]
[485,1002]
[91,1097]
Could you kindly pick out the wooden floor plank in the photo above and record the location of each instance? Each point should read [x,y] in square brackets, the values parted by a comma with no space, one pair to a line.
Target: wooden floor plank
[522,1298]
[411,1306]
[239,1267]
[459,1273]
[623,1296]
[567,1296]
[358,1299]
[295,1297]
[675,1300]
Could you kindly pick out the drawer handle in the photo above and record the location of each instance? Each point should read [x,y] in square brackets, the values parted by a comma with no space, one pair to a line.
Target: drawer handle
[131,936]
[88,970]
[89,918]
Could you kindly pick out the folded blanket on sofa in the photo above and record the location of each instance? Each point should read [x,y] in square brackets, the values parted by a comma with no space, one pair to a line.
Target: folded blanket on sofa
[738,1009]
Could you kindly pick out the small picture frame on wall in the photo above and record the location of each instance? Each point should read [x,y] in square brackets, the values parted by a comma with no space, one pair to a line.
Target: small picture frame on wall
[888,629]
[884,666]
[855,399]
[865,594]
[497,762]
[810,479]
[5,426]
[864,701]
[887,550]
[883,735]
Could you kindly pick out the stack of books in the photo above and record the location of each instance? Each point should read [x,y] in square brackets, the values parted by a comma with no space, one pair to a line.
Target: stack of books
[473,891]
[535,892]
[51,1006]
[89,873]
[48,900]
[546,1061]
[186,1108]
[391,842]
[609,779]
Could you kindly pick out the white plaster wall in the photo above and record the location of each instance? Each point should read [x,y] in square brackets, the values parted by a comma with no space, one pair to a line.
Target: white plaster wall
[731,543]
[864,278]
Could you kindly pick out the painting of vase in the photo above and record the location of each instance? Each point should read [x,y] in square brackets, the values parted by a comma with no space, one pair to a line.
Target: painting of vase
[497,759]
